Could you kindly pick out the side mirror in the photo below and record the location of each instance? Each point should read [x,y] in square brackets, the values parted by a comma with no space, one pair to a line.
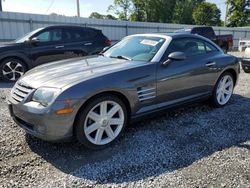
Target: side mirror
[175,56]
[106,48]
[34,40]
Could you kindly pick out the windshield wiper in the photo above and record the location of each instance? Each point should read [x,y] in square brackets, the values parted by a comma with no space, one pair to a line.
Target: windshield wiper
[121,57]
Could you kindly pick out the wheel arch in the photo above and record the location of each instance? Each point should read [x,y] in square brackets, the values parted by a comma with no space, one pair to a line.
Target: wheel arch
[233,72]
[20,58]
[120,95]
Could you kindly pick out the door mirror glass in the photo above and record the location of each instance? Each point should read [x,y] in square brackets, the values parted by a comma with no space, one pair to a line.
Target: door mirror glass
[177,56]
[34,40]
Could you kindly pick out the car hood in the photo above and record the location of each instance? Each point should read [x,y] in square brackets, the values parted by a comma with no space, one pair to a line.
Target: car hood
[9,46]
[62,73]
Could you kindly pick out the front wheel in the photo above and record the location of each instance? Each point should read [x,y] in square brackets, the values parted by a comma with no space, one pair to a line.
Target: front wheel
[12,69]
[223,90]
[101,122]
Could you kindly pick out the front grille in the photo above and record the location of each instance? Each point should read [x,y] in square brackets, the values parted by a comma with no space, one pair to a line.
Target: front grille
[20,92]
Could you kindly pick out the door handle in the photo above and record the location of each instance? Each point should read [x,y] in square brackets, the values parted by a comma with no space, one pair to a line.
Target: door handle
[88,44]
[209,64]
[57,47]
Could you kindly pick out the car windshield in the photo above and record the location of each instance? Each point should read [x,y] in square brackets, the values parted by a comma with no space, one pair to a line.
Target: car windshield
[26,36]
[136,48]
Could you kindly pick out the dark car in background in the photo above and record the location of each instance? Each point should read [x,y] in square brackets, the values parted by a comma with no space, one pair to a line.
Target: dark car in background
[223,41]
[93,98]
[49,44]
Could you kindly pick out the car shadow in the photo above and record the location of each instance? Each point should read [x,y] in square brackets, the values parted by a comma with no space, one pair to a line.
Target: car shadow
[164,143]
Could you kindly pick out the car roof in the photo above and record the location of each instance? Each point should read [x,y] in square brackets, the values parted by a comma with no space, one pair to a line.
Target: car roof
[70,26]
[173,35]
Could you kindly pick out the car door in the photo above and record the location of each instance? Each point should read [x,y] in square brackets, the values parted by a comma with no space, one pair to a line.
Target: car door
[185,79]
[78,42]
[48,46]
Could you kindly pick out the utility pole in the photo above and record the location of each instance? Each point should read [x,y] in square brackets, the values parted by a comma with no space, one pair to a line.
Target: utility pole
[225,21]
[1,9]
[78,8]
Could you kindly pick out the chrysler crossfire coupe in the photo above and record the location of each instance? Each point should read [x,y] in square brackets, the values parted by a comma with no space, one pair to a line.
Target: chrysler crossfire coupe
[93,98]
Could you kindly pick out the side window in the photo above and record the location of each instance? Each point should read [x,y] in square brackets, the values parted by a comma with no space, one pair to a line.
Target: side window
[44,37]
[75,34]
[50,35]
[189,46]
[210,48]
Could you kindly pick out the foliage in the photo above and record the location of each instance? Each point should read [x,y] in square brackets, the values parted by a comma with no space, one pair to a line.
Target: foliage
[182,13]
[238,13]
[207,14]
[101,16]
[122,8]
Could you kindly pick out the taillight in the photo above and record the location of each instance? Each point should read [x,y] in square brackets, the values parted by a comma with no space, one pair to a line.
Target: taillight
[108,42]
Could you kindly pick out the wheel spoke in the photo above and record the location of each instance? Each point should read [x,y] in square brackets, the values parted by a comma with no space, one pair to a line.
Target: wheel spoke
[110,132]
[227,92]
[9,65]
[17,65]
[116,121]
[229,83]
[98,136]
[94,116]
[19,72]
[103,108]
[113,110]
[219,96]
[91,128]
[6,72]
[13,77]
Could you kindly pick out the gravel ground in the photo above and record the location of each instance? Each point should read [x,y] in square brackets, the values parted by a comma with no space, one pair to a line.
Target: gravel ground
[195,146]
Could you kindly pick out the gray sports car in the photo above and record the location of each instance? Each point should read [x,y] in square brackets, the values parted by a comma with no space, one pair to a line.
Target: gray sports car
[94,98]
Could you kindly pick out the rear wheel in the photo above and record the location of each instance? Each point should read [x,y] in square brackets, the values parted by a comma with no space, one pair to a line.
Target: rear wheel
[101,122]
[223,90]
[12,69]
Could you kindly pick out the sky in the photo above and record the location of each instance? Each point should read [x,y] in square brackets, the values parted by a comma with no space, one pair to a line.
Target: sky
[68,7]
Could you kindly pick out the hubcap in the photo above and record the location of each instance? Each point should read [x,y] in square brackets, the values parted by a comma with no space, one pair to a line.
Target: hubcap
[12,70]
[104,122]
[224,89]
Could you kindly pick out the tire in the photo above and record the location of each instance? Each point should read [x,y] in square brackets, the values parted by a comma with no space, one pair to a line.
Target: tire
[223,93]
[90,123]
[11,69]
[225,49]
[245,69]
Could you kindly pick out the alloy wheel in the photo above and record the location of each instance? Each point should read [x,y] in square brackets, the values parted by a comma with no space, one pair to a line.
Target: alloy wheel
[225,89]
[12,70]
[104,122]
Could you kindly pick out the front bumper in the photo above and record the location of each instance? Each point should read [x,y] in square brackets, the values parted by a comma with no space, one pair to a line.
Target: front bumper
[43,124]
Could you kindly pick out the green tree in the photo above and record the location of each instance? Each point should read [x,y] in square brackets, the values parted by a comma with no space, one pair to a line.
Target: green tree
[110,17]
[238,13]
[101,16]
[207,14]
[96,15]
[153,10]
[183,10]
[122,8]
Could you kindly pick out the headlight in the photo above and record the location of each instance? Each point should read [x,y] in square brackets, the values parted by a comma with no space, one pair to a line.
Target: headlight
[45,95]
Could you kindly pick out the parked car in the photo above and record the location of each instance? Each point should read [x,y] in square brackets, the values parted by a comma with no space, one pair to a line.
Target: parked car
[46,45]
[245,61]
[223,41]
[94,98]
[243,44]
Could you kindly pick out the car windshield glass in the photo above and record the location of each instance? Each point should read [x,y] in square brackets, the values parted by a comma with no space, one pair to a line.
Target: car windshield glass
[27,36]
[136,48]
